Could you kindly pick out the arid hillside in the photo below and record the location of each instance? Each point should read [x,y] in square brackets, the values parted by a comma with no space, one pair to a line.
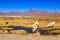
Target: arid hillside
[30,12]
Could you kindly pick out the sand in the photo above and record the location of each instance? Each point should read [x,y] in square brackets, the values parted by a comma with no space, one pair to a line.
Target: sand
[27,37]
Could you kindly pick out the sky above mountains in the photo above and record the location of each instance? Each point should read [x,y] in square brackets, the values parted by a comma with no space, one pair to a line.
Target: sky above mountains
[22,5]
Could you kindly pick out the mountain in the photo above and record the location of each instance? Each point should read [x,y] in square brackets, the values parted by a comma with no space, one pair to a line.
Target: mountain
[30,12]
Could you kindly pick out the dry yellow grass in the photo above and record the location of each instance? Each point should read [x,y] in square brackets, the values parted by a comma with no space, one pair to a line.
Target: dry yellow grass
[1,32]
[19,32]
[28,21]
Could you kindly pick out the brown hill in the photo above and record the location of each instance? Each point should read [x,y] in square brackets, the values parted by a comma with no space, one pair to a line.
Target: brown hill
[30,12]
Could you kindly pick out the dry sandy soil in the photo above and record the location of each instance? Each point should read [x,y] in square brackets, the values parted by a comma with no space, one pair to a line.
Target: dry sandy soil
[27,37]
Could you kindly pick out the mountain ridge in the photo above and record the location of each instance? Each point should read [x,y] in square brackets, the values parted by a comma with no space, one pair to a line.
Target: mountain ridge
[30,13]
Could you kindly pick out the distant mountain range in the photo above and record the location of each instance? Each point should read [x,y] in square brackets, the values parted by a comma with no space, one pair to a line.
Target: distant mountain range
[30,13]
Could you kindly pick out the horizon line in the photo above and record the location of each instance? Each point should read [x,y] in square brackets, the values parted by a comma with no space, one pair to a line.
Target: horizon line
[29,10]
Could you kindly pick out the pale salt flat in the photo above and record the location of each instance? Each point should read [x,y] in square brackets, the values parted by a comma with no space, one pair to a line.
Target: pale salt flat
[27,37]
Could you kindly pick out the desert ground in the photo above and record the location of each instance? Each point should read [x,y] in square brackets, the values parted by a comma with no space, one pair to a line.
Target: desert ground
[27,37]
[27,22]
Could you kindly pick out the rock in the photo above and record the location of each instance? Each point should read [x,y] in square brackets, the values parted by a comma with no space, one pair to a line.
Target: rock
[5,32]
[37,34]
[1,32]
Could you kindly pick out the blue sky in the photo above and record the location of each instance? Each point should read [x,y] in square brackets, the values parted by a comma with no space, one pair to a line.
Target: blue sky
[22,5]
